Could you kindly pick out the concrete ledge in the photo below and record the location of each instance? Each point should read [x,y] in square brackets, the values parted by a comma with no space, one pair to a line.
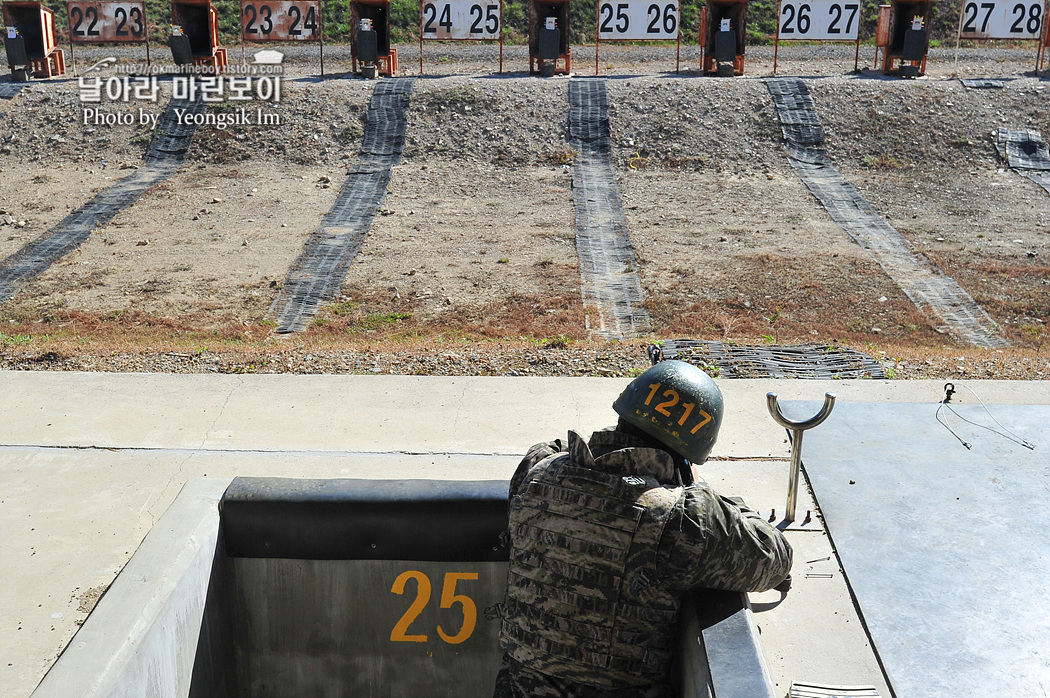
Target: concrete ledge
[141,639]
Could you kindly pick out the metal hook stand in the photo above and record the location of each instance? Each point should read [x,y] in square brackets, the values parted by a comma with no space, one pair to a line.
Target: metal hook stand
[796,443]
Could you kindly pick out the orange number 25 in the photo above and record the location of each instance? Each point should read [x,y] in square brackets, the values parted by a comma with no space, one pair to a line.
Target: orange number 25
[449,597]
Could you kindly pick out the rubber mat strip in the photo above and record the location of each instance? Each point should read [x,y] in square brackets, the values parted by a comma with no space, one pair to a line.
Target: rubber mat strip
[166,152]
[609,281]
[981,83]
[9,90]
[1024,151]
[318,272]
[1040,178]
[814,361]
[930,289]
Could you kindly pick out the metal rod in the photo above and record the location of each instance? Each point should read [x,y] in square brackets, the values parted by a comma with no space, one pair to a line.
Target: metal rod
[776,41]
[796,429]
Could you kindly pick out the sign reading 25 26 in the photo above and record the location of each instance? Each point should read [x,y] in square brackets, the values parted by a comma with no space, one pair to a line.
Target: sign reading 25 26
[638,20]
[460,20]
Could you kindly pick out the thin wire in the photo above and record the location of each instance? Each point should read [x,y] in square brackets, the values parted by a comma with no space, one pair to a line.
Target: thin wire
[944,423]
[1006,433]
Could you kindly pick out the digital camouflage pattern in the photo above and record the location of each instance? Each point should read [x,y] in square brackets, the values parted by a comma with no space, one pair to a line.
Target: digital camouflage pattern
[572,625]
[579,602]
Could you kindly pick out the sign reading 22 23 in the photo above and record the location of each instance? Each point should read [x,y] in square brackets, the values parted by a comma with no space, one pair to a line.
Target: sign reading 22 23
[449,597]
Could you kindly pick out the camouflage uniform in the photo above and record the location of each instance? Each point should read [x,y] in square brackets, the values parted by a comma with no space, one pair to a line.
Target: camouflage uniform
[603,547]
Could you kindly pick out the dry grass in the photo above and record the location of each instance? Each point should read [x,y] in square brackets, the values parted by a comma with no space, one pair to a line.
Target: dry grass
[362,324]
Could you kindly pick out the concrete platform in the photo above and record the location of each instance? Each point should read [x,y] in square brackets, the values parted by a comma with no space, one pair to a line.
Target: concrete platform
[90,461]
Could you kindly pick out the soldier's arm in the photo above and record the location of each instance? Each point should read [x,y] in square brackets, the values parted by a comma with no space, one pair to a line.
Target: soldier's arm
[534,455]
[722,545]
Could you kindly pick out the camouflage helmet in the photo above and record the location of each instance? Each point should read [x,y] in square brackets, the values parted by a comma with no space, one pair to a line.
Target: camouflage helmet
[678,405]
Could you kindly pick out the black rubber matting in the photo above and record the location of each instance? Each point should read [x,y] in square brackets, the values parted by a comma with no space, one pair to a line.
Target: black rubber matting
[982,83]
[816,361]
[930,289]
[609,281]
[318,272]
[1024,150]
[945,549]
[9,90]
[166,152]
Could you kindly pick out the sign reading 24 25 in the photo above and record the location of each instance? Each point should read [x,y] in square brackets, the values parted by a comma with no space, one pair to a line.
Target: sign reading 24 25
[461,20]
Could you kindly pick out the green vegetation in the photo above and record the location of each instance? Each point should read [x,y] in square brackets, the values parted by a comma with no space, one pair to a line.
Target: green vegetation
[404,20]
[13,339]
[379,319]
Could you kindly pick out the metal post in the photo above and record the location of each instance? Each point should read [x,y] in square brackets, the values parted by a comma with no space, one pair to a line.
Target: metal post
[678,48]
[597,30]
[1042,40]
[776,42]
[796,429]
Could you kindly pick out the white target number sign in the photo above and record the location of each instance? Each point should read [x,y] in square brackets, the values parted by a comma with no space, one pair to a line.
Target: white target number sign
[93,22]
[819,20]
[638,20]
[280,20]
[1009,19]
[461,20]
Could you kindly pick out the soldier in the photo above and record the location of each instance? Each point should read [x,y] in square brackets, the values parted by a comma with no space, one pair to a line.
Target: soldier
[606,537]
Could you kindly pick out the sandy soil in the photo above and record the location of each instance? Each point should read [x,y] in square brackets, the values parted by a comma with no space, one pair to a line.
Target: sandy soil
[474,241]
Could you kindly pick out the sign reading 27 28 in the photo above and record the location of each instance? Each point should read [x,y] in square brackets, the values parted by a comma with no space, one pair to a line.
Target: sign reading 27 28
[638,20]
[1008,19]
[819,20]
[461,20]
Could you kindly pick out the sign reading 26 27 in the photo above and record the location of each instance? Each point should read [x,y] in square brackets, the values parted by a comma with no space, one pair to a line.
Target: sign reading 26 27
[638,20]
[459,20]
[823,20]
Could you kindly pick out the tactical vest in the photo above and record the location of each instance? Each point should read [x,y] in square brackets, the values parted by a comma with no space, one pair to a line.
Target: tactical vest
[581,604]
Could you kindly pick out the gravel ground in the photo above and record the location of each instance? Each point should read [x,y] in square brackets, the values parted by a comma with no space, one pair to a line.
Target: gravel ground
[498,359]
[476,236]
